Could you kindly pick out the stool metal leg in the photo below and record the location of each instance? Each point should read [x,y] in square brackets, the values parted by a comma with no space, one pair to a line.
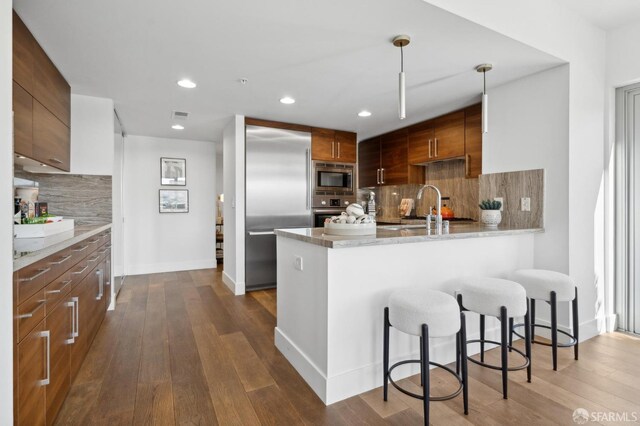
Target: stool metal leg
[424,371]
[481,338]
[463,361]
[533,320]
[576,324]
[510,333]
[527,338]
[554,330]
[458,352]
[421,355]
[385,354]
[504,324]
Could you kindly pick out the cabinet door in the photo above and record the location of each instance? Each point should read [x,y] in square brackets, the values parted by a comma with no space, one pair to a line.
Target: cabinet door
[59,322]
[345,147]
[449,136]
[393,158]
[323,147]
[51,138]
[49,86]
[32,375]
[369,162]
[22,121]
[23,45]
[420,142]
[473,141]
[81,297]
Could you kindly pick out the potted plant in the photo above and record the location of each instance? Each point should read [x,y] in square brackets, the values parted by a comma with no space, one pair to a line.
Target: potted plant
[491,215]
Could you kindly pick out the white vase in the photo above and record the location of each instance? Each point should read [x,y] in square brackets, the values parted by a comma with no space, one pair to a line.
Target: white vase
[491,217]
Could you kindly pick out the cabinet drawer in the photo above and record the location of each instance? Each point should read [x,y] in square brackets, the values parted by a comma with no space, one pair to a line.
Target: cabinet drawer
[31,360]
[83,267]
[79,251]
[59,263]
[58,289]
[31,279]
[30,313]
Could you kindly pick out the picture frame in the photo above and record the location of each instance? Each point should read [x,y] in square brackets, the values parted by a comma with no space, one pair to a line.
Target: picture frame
[174,200]
[173,171]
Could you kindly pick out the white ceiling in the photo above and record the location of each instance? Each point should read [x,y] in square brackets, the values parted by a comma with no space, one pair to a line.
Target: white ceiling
[334,57]
[606,14]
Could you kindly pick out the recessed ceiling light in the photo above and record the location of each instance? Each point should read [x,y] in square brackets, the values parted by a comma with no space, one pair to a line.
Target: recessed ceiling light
[287,100]
[177,127]
[364,114]
[186,83]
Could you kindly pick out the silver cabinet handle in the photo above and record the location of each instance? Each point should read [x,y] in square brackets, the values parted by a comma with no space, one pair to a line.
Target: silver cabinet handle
[381,175]
[307,154]
[80,271]
[39,274]
[435,143]
[94,259]
[429,148]
[47,334]
[262,233]
[93,241]
[76,329]
[83,248]
[378,176]
[66,283]
[72,339]
[32,313]
[61,261]
[55,160]
[338,149]
[333,149]
[103,251]
[100,284]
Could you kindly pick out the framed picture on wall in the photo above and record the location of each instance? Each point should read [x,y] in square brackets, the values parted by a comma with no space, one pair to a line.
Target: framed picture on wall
[173,171]
[174,201]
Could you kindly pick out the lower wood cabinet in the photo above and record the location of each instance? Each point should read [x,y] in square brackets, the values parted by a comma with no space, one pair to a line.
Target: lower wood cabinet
[54,329]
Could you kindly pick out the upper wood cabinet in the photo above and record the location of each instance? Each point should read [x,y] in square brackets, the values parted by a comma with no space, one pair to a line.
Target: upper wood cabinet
[473,140]
[394,165]
[369,162]
[420,143]
[333,145]
[41,102]
[448,140]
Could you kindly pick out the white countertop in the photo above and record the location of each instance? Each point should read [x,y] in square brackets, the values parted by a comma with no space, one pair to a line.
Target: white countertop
[410,235]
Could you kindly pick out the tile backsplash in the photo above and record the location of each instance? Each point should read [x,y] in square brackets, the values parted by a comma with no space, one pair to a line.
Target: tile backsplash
[85,198]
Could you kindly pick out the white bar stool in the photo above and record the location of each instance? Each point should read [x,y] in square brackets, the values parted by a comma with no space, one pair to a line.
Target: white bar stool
[425,313]
[551,287]
[502,299]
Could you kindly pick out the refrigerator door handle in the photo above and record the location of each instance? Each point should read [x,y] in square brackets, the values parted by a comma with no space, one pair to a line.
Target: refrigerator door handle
[308,166]
[251,233]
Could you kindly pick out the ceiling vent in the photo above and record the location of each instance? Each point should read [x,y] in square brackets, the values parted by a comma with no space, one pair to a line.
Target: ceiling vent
[179,115]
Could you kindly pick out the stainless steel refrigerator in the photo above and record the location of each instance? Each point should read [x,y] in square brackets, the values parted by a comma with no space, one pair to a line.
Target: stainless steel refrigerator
[278,195]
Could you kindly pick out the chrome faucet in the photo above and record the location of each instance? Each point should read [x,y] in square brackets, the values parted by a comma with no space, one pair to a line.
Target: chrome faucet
[438,207]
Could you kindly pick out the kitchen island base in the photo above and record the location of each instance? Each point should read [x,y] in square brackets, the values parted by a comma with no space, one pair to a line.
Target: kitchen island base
[330,310]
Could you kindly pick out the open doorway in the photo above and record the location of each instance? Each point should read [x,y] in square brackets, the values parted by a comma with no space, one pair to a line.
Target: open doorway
[627,216]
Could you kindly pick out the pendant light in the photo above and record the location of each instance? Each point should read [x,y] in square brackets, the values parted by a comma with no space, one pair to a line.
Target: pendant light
[401,41]
[485,97]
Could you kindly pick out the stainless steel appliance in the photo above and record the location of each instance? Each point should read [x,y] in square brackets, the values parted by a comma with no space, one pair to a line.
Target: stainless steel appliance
[278,195]
[333,185]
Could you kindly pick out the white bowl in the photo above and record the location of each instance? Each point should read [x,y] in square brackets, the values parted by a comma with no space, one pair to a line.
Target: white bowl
[350,229]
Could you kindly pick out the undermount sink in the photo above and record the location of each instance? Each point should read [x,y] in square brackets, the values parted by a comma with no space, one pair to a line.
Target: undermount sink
[401,227]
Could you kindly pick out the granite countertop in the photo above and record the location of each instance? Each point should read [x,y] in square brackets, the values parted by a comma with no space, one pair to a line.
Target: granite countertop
[27,251]
[390,236]
[412,221]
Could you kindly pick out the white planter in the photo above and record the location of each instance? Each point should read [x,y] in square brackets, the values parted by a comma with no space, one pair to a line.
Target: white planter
[491,217]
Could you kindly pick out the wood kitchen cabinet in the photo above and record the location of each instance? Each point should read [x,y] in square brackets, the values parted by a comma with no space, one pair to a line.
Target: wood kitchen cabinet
[58,322]
[41,102]
[473,141]
[394,165]
[369,162]
[32,376]
[439,139]
[333,145]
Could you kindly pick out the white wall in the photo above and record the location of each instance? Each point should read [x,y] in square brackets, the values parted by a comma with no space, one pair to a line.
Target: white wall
[6,220]
[155,242]
[219,173]
[233,170]
[92,125]
[549,26]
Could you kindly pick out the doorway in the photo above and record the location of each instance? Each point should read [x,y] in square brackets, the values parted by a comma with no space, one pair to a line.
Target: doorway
[627,204]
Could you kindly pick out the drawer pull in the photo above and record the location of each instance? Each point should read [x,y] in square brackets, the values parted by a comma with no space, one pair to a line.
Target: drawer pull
[100,275]
[61,261]
[83,248]
[32,313]
[46,380]
[76,330]
[55,160]
[94,259]
[39,274]
[66,283]
[80,271]
[104,251]
[93,241]
[72,305]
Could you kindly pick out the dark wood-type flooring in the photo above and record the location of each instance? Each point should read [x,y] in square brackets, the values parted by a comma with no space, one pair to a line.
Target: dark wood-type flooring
[181,349]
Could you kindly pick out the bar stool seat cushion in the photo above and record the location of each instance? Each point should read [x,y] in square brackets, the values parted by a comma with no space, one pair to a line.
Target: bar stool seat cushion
[539,284]
[486,296]
[411,307]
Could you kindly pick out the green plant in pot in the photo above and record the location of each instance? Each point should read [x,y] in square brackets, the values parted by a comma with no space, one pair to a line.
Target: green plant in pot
[491,215]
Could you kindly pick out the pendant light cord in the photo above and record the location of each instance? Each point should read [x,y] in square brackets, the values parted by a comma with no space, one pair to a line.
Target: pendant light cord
[401,59]
[484,82]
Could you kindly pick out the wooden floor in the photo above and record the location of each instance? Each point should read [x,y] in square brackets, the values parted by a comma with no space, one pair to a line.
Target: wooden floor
[181,349]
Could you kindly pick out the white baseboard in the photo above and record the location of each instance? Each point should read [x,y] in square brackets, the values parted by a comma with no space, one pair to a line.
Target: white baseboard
[236,287]
[588,329]
[157,268]
[347,384]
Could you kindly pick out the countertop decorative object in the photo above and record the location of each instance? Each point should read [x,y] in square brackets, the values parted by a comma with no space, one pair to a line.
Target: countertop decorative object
[399,235]
[51,246]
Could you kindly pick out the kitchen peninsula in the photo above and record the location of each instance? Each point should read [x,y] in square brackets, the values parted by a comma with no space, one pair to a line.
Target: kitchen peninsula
[332,291]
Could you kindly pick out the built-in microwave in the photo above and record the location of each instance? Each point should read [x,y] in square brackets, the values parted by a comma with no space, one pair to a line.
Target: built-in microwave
[335,178]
